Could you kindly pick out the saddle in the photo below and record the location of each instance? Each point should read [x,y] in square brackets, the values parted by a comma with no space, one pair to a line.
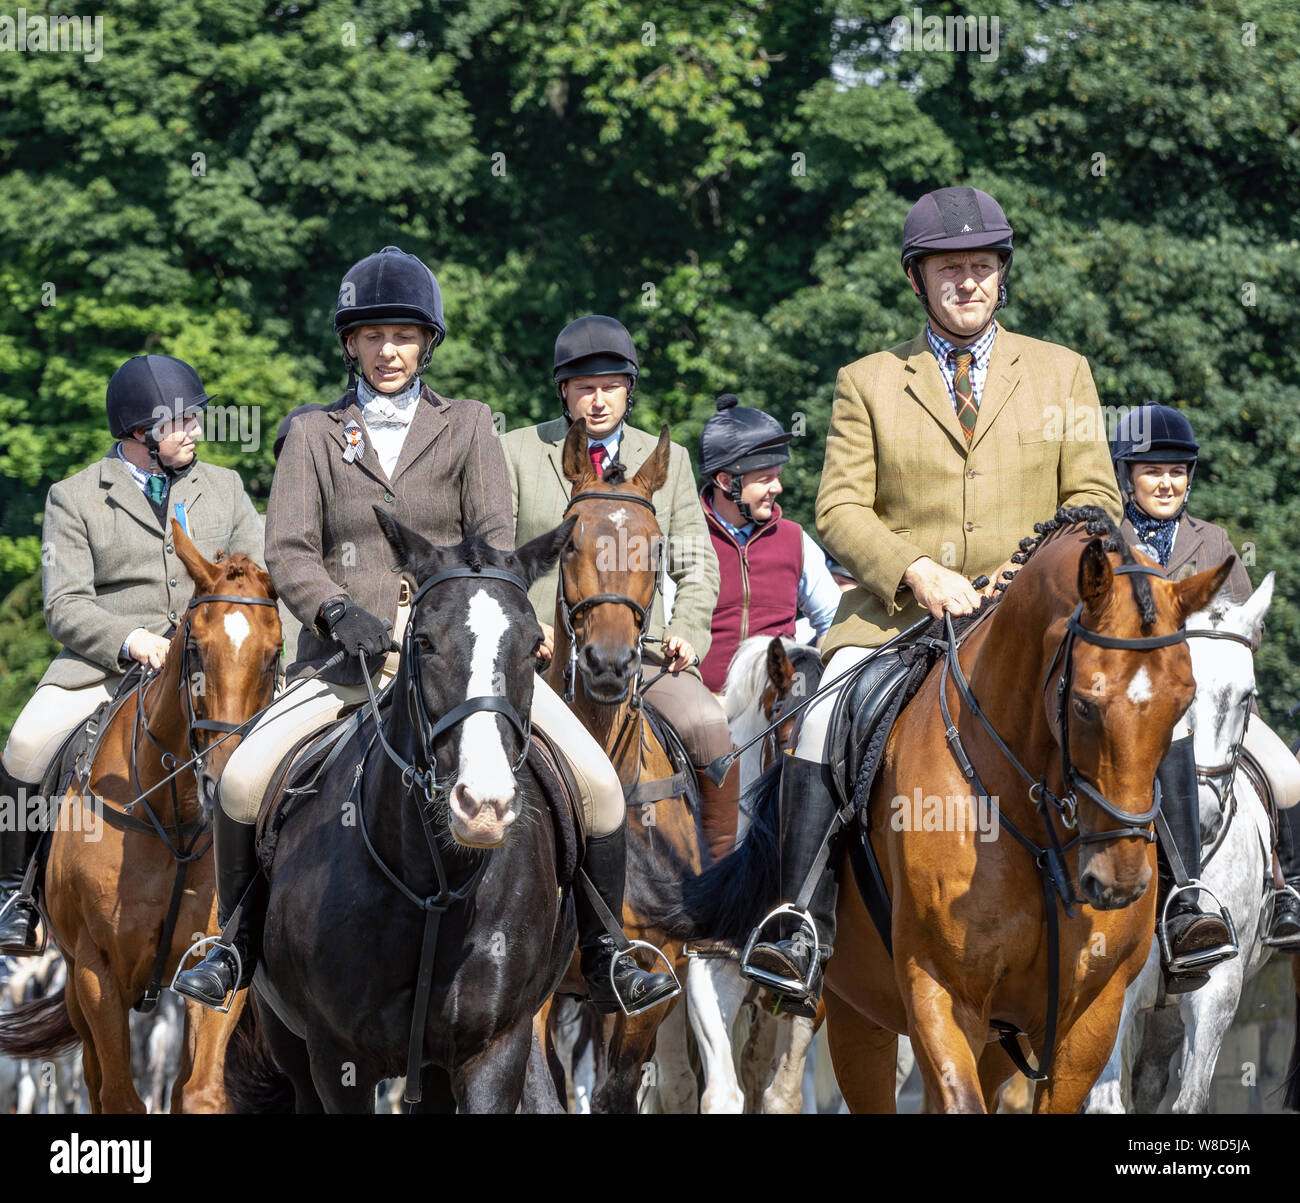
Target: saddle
[683,781]
[862,715]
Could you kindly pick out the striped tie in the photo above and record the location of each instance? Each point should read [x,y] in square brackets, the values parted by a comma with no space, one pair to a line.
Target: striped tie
[967,411]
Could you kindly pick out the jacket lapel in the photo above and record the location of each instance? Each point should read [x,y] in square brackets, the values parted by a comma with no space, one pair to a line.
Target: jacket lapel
[1187,545]
[122,491]
[1003,377]
[429,422]
[187,491]
[926,385]
[339,419]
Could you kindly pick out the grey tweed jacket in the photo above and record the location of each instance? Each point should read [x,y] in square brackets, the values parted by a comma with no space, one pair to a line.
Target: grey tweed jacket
[322,538]
[109,567]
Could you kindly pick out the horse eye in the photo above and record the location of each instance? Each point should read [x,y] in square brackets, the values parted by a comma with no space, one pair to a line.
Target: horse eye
[1082,709]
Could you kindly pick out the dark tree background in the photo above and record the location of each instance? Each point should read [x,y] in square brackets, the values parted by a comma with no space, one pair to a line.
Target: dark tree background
[729,179]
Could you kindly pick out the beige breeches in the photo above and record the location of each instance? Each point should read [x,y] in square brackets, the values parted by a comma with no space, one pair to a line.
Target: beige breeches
[817,717]
[45,723]
[696,714]
[1274,757]
[315,704]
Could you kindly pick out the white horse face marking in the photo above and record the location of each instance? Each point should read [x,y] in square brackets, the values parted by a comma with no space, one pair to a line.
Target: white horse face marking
[1139,688]
[237,629]
[485,786]
[618,517]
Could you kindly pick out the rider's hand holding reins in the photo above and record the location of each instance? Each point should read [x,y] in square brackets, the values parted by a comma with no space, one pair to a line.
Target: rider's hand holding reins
[357,630]
[147,648]
[680,653]
[939,589]
[547,650]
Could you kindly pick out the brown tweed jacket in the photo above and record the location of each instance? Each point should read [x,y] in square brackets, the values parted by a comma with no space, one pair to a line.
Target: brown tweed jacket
[899,481]
[322,538]
[1200,545]
[109,567]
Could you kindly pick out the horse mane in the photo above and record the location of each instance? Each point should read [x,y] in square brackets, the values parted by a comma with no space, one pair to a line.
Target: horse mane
[1097,523]
[746,679]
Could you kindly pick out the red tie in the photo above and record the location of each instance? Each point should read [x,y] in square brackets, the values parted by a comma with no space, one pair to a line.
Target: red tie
[599,456]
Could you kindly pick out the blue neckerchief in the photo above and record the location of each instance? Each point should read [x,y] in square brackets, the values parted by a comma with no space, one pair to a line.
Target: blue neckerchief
[1155,533]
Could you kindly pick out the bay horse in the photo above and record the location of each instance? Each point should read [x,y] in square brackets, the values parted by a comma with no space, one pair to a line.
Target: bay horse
[415,921]
[1236,839]
[608,577]
[1079,670]
[128,884]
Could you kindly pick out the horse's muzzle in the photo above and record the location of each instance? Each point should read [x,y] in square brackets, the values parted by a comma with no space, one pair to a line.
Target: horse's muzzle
[479,824]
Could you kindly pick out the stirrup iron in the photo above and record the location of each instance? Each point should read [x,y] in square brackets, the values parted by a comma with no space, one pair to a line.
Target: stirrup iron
[193,951]
[1207,957]
[801,986]
[620,954]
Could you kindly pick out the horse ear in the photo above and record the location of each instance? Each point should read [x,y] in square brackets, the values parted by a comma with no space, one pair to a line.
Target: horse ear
[1096,578]
[577,463]
[1196,592]
[1250,615]
[201,571]
[651,475]
[537,557]
[779,669]
[413,549]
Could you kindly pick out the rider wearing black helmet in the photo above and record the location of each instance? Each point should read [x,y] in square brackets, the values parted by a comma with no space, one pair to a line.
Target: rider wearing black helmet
[769,567]
[1155,454]
[595,373]
[112,583]
[390,441]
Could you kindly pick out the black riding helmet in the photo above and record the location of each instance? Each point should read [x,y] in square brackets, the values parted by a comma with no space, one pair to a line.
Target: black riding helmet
[594,345]
[738,439]
[147,390]
[1153,434]
[388,287]
[956,219]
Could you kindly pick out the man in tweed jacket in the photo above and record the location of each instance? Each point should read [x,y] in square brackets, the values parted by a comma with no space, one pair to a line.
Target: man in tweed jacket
[113,584]
[595,376]
[942,453]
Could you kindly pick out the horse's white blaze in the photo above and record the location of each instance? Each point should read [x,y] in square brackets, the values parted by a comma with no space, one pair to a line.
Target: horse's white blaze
[237,629]
[618,517]
[1139,689]
[484,765]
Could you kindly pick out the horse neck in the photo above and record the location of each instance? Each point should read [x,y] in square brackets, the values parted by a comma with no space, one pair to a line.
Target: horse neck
[166,718]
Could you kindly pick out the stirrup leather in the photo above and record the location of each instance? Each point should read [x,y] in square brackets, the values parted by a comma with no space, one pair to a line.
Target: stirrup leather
[801,986]
[193,951]
[13,899]
[1206,957]
[1290,942]
[619,954]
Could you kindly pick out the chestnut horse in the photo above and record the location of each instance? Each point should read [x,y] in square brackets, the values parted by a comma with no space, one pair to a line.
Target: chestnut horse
[112,871]
[664,840]
[970,929]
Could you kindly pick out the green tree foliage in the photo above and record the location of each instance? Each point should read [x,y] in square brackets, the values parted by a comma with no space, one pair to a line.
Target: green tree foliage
[729,179]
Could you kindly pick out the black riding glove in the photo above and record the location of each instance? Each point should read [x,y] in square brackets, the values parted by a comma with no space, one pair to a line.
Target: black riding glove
[356,630]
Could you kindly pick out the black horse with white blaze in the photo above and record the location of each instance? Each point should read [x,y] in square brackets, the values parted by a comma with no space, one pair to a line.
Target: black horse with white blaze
[414,925]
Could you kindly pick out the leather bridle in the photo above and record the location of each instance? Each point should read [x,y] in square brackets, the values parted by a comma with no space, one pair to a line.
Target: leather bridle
[570,613]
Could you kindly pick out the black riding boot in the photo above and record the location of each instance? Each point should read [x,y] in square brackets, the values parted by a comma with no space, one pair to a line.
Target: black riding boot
[1284,931]
[1194,942]
[789,966]
[220,971]
[605,863]
[19,914]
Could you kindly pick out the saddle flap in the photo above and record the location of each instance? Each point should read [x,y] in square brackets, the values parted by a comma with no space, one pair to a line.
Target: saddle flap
[683,781]
[565,804]
[859,712]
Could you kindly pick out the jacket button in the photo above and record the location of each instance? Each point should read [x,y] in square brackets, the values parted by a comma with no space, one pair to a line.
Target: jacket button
[970,474]
[170,549]
[172,616]
[970,526]
[172,582]
[388,497]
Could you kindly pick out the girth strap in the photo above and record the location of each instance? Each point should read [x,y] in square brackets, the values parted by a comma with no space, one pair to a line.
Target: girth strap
[641,792]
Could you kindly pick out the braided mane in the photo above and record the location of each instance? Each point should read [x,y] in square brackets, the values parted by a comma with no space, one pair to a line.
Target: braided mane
[1096,522]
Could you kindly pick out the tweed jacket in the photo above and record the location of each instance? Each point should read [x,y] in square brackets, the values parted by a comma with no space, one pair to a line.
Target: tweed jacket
[899,481]
[108,566]
[539,491]
[322,538]
[1200,545]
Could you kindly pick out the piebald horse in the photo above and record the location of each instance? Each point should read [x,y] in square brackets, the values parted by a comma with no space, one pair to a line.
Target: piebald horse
[111,874]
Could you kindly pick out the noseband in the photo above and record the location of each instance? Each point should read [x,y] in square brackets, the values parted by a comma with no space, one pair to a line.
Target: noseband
[568,613]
